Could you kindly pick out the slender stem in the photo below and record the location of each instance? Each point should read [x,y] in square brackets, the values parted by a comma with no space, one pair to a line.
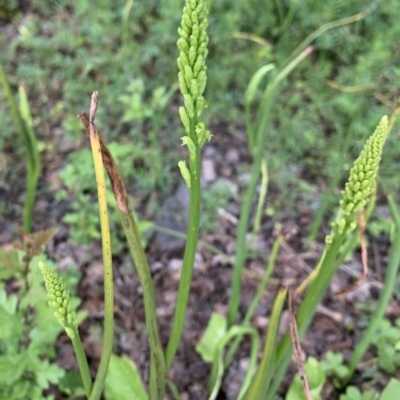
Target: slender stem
[279,7]
[125,22]
[32,153]
[261,132]
[259,386]
[82,362]
[260,290]
[330,25]
[157,366]
[107,259]
[384,298]
[174,390]
[188,258]
[307,309]
[261,198]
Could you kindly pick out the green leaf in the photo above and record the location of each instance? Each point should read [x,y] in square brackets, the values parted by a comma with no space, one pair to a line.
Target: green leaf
[392,390]
[352,393]
[255,81]
[10,322]
[386,356]
[315,377]
[11,368]
[46,373]
[215,331]
[123,381]
[42,340]
[72,385]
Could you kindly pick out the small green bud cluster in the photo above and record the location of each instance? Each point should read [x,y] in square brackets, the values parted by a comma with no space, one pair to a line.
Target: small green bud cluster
[59,299]
[361,180]
[192,45]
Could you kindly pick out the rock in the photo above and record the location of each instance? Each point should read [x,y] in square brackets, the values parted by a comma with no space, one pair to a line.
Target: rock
[208,170]
[173,215]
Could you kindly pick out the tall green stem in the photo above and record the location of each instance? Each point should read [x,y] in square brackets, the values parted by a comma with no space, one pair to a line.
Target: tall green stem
[307,310]
[261,133]
[260,290]
[82,363]
[384,298]
[262,378]
[32,152]
[188,258]
[192,78]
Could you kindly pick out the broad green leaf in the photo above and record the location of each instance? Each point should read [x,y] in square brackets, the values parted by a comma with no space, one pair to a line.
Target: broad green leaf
[217,369]
[392,390]
[316,380]
[123,381]
[215,331]
[315,375]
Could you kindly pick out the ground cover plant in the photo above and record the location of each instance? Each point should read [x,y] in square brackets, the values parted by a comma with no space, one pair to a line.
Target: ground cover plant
[225,331]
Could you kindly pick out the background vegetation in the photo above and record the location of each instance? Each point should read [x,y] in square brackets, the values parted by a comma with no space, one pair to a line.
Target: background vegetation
[62,50]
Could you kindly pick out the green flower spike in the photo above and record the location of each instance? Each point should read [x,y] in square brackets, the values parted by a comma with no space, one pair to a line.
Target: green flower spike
[361,180]
[59,299]
[192,45]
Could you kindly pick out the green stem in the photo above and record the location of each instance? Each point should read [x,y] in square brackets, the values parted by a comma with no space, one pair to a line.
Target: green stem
[261,132]
[125,22]
[82,362]
[250,311]
[32,153]
[326,27]
[307,309]
[259,386]
[189,255]
[157,366]
[174,390]
[390,281]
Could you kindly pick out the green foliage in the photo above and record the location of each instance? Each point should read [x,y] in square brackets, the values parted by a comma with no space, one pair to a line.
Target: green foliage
[387,343]
[23,121]
[80,187]
[391,391]
[61,56]
[333,367]
[54,63]
[216,197]
[29,330]
[215,331]
[211,347]
[316,380]
[354,393]
[123,381]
